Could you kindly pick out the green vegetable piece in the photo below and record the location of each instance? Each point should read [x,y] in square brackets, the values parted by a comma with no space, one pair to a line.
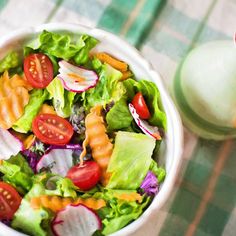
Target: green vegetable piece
[119,116]
[37,98]
[18,173]
[11,60]
[82,56]
[36,222]
[158,171]
[130,160]
[107,89]
[66,46]
[29,220]
[119,213]
[152,98]
[62,99]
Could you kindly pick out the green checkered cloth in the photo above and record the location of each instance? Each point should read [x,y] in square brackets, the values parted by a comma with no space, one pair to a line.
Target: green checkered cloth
[204,197]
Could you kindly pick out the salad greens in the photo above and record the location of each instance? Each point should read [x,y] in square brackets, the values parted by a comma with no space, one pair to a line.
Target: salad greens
[17,172]
[152,96]
[128,151]
[108,89]
[10,61]
[129,164]
[61,98]
[37,98]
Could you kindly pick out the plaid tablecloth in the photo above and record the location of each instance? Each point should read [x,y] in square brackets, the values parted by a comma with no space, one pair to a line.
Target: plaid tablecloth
[204,199]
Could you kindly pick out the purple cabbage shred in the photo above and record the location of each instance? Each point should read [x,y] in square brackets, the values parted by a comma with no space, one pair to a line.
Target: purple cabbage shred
[150,184]
[6,222]
[32,159]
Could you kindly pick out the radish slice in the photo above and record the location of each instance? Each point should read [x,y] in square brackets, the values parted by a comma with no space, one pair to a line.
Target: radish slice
[58,160]
[76,220]
[149,130]
[9,145]
[76,79]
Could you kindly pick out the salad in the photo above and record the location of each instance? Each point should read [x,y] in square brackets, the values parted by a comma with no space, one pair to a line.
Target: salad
[78,137]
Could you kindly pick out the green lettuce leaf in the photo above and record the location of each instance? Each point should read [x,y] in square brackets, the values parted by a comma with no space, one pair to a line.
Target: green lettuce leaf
[118,213]
[158,171]
[37,98]
[62,99]
[119,116]
[31,221]
[11,60]
[130,160]
[66,46]
[17,173]
[37,222]
[152,97]
[107,89]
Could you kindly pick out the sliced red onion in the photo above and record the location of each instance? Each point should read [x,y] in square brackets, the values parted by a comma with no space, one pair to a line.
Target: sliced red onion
[9,145]
[76,79]
[149,130]
[59,161]
[76,220]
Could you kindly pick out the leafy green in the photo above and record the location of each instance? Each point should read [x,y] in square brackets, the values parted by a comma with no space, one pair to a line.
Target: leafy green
[152,97]
[130,160]
[56,185]
[158,171]
[118,213]
[37,97]
[18,173]
[107,89]
[11,60]
[29,220]
[119,116]
[37,221]
[66,46]
[62,99]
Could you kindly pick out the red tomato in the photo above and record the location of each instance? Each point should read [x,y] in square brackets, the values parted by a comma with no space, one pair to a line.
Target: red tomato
[9,201]
[140,106]
[52,129]
[38,70]
[86,176]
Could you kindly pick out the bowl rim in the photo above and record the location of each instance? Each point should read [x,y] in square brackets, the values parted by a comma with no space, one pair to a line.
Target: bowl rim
[174,120]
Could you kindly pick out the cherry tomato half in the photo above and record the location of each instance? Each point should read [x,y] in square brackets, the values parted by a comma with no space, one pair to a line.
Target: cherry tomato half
[86,176]
[9,201]
[38,70]
[141,106]
[52,129]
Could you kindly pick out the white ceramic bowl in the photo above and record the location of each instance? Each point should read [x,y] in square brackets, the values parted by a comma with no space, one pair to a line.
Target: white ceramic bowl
[171,149]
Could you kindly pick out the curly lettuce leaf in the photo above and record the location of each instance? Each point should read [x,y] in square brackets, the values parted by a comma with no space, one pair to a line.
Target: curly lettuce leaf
[29,220]
[119,116]
[66,46]
[62,99]
[37,97]
[11,60]
[152,97]
[118,213]
[108,89]
[128,164]
[17,172]
[158,171]
[36,222]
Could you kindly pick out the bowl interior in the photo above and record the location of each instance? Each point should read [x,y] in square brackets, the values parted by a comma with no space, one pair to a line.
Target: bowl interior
[171,149]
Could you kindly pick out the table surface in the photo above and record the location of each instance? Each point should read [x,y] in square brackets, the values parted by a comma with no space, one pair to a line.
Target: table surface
[204,197]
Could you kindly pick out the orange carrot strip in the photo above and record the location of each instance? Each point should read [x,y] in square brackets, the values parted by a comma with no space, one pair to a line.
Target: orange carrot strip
[119,65]
[56,203]
[129,197]
[126,75]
